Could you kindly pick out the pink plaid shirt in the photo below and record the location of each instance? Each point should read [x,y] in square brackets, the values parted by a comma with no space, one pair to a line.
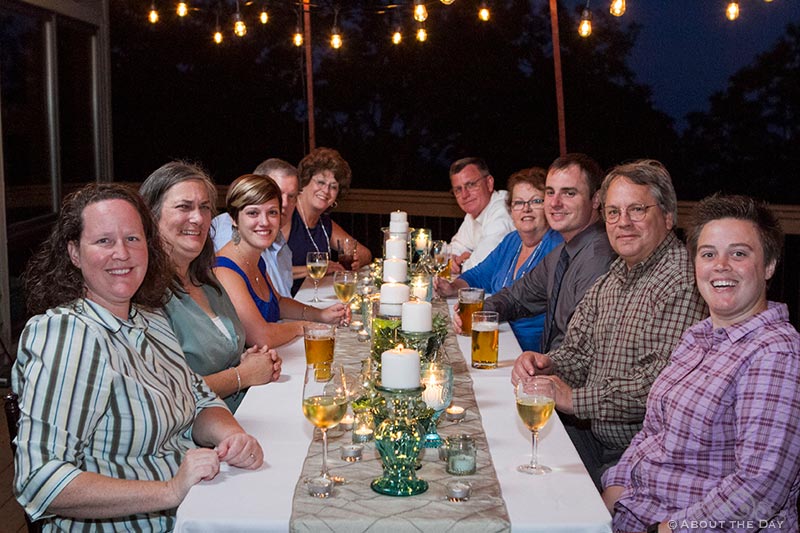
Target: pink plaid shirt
[720,446]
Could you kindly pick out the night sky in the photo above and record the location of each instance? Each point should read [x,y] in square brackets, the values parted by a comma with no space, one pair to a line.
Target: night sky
[687,49]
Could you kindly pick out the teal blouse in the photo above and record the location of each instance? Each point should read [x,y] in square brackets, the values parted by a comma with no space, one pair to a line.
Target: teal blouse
[207,350]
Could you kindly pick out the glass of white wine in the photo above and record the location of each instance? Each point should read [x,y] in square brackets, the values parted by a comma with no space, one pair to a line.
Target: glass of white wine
[317,265]
[324,403]
[440,252]
[535,403]
[344,285]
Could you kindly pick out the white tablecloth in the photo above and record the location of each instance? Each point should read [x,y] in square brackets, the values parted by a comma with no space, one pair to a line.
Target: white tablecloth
[237,500]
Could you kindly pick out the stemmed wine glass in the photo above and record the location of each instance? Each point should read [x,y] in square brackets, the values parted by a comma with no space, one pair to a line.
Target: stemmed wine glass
[347,252]
[324,402]
[317,265]
[344,285]
[535,403]
[440,251]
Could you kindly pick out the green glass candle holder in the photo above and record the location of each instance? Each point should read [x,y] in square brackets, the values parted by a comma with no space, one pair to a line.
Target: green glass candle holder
[398,439]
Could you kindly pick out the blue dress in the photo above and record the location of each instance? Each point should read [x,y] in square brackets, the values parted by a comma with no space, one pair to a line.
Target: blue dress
[497,271]
[269,309]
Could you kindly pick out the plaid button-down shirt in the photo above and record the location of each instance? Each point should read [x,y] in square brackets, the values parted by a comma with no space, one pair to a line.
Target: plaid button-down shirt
[720,447]
[621,337]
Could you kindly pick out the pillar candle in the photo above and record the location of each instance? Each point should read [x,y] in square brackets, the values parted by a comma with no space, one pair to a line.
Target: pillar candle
[417,317]
[393,296]
[395,270]
[398,227]
[398,216]
[400,368]
[396,248]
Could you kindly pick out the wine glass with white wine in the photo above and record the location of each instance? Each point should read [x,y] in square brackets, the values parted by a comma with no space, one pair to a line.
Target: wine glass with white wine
[317,265]
[344,285]
[324,403]
[535,403]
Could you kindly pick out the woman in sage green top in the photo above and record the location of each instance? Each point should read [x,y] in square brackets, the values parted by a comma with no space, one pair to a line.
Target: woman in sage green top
[182,198]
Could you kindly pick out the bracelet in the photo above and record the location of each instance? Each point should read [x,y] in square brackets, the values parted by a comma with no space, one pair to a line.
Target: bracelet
[238,380]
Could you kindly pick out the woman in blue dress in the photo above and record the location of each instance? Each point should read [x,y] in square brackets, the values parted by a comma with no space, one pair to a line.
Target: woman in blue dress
[254,205]
[518,253]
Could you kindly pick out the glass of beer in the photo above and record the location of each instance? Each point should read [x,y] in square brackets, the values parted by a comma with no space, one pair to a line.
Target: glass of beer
[319,341]
[485,337]
[470,300]
[535,403]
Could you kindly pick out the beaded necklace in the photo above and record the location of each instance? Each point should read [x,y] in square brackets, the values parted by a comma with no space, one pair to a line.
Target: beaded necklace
[308,231]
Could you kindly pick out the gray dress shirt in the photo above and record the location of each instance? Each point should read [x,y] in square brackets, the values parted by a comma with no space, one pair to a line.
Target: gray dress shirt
[590,256]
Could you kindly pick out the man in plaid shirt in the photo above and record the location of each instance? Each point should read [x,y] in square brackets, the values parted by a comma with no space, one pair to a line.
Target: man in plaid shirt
[625,328]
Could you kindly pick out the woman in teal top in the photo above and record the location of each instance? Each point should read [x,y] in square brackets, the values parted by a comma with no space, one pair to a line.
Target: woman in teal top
[182,198]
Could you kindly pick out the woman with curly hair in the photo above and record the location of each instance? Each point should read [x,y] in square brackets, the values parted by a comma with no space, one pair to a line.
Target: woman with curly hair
[111,415]
[324,177]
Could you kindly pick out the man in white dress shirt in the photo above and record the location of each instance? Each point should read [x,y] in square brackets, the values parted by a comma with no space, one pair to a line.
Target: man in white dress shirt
[278,257]
[487,219]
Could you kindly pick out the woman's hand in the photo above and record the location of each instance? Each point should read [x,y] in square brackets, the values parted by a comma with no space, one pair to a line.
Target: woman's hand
[259,366]
[456,320]
[444,288]
[335,314]
[241,450]
[199,464]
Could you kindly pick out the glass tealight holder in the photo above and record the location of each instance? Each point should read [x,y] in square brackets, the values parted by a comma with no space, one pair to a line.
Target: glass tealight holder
[363,427]
[461,455]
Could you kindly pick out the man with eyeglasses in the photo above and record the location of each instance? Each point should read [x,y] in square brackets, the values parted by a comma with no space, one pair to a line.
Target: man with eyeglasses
[623,331]
[278,257]
[487,220]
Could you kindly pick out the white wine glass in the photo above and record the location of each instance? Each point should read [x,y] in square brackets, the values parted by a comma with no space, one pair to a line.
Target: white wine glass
[344,285]
[440,253]
[317,265]
[535,403]
[324,403]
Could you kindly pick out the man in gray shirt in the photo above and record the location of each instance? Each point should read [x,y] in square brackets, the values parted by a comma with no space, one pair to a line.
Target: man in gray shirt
[571,206]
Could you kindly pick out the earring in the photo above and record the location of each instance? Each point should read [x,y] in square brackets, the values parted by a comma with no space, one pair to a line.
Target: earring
[335,204]
[235,237]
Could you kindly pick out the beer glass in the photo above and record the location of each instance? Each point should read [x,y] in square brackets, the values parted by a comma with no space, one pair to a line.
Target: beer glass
[319,340]
[470,300]
[485,336]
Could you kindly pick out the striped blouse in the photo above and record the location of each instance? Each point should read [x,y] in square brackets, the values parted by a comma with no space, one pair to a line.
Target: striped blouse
[105,395]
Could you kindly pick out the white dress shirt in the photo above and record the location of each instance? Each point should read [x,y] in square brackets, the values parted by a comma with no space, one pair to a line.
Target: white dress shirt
[481,235]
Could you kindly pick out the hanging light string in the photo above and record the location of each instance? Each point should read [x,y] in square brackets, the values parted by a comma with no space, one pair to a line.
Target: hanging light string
[585,25]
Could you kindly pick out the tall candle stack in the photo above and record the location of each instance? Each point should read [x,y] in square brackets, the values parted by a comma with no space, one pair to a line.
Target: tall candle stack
[398,222]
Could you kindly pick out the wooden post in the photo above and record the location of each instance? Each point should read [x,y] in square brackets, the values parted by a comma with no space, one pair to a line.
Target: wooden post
[562,127]
[312,130]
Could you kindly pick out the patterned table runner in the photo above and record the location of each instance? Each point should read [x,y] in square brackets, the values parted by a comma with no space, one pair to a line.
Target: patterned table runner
[355,507]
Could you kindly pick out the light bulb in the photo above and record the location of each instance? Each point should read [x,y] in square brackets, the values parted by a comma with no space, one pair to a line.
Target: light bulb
[420,11]
[585,27]
[397,37]
[263,16]
[218,36]
[183,9]
[422,35]
[336,39]
[153,15]
[239,27]
[447,2]
[768,1]
[484,14]
[732,11]
[617,8]
[297,38]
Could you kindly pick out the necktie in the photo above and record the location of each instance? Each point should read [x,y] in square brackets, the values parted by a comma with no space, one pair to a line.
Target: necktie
[561,267]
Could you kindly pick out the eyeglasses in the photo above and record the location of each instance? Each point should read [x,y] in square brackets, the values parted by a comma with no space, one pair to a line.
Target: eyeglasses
[469,186]
[635,212]
[533,203]
[332,186]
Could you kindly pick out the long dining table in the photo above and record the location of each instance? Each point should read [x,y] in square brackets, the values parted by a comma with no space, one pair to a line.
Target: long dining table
[238,500]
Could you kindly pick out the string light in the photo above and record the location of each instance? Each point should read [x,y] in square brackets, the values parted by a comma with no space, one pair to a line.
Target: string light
[183,9]
[263,16]
[420,11]
[450,2]
[218,36]
[153,15]
[336,39]
[483,13]
[397,36]
[585,27]
[422,35]
[297,38]
[617,8]
[239,27]
[732,11]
